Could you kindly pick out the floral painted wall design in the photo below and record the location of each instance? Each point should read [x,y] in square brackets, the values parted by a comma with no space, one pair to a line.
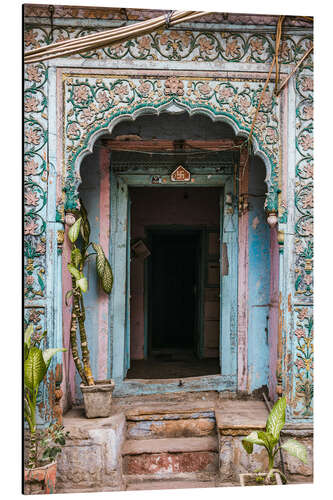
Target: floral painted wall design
[175,45]
[303,267]
[36,175]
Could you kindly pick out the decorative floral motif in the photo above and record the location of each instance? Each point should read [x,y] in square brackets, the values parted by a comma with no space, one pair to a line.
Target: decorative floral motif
[177,45]
[304,358]
[174,86]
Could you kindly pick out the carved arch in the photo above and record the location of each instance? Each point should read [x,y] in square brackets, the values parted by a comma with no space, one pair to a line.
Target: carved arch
[94,105]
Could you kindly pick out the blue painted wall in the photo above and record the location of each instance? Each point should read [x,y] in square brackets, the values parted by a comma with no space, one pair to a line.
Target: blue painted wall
[259,279]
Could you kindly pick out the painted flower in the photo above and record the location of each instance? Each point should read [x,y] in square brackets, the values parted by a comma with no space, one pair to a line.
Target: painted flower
[31,228]
[185,39]
[144,43]
[232,49]
[33,73]
[205,45]
[308,169]
[61,38]
[30,280]
[34,316]
[30,167]
[121,90]
[261,119]
[300,363]
[31,198]
[257,45]
[225,92]
[244,104]
[271,135]
[30,38]
[300,333]
[31,104]
[267,99]
[80,94]
[308,227]
[40,248]
[32,136]
[307,83]
[144,88]
[303,313]
[308,112]
[284,50]
[306,141]
[117,48]
[73,130]
[204,88]
[299,247]
[308,279]
[86,115]
[103,98]
[164,39]
[174,86]
[307,200]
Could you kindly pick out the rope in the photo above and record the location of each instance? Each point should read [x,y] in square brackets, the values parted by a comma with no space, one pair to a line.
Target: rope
[295,69]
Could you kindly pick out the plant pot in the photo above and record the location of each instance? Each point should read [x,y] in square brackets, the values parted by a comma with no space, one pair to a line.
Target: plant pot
[41,480]
[98,398]
[258,479]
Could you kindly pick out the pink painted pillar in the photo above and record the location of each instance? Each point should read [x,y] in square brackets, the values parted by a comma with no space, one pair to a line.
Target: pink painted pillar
[243,271]
[273,312]
[104,239]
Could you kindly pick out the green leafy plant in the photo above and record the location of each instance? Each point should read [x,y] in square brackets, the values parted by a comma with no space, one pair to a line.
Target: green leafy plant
[269,439]
[80,232]
[51,440]
[36,364]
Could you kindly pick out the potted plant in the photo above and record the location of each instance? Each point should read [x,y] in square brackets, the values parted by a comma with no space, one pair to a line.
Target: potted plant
[97,394]
[40,465]
[269,439]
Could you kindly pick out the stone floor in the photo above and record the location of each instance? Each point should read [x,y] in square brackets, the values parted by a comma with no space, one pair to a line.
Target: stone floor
[165,367]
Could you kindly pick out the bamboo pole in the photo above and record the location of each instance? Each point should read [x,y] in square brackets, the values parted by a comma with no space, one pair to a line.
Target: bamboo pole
[73,328]
[89,42]
[295,69]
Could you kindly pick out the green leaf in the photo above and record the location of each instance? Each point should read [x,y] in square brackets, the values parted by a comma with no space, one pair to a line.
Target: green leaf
[26,351]
[250,440]
[107,279]
[82,283]
[76,257]
[34,369]
[74,272]
[100,259]
[276,418]
[85,226]
[268,439]
[67,296]
[27,335]
[74,230]
[296,449]
[49,353]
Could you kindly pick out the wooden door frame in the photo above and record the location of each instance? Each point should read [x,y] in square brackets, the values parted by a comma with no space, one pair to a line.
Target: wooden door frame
[227,379]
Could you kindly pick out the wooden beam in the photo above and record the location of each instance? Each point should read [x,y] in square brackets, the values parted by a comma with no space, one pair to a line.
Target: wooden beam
[162,145]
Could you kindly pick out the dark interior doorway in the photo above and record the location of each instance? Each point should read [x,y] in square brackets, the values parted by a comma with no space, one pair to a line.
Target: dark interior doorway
[173,292]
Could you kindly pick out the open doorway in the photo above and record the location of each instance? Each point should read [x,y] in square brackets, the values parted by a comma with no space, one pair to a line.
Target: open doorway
[175,289]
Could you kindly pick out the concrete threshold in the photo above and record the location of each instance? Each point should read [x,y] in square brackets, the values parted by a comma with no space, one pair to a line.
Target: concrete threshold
[169,445]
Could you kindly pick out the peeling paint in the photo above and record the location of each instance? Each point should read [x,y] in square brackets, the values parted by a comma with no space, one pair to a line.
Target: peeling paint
[255,222]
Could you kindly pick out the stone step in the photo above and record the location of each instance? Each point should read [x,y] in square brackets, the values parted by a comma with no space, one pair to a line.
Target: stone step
[171,428]
[169,485]
[170,445]
[175,477]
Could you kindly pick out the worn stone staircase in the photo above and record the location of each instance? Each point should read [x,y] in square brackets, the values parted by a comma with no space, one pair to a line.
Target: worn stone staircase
[170,449]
